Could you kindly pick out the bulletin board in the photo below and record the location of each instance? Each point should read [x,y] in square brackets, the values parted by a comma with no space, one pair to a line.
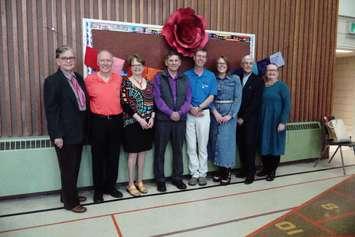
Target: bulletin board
[124,39]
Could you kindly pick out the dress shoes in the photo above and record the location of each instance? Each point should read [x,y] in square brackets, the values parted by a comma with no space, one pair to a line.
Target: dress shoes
[270,176]
[249,180]
[202,181]
[80,198]
[114,193]
[193,181]
[98,198]
[179,184]
[79,209]
[161,187]
[216,178]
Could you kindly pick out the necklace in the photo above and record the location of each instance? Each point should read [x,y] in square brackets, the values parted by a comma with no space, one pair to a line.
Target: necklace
[139,84]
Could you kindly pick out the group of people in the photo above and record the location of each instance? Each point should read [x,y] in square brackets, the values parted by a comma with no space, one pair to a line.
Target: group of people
[216,112]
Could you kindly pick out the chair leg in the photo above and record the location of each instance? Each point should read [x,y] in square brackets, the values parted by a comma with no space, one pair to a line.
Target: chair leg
[342,160]
[336,150]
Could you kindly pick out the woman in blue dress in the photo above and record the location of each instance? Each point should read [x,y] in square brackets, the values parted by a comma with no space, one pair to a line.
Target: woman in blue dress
[275,109]
[222,140]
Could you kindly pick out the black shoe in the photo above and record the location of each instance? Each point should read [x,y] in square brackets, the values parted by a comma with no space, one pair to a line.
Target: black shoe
[225,181]
[98,198]
[261,173]
[179,184]
[78,209]
[80,198]
[227,176]
[115,193]
[249,180]
[270,176]
[161,187]
[216,178]
[240,175]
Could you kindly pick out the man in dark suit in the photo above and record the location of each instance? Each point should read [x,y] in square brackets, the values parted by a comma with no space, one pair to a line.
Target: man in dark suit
[66,111]
[248,119]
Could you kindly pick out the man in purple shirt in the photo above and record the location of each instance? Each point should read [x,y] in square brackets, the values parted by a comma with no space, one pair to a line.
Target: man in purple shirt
[172,97]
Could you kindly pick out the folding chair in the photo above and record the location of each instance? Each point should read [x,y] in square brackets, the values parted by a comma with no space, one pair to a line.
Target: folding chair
[330,142]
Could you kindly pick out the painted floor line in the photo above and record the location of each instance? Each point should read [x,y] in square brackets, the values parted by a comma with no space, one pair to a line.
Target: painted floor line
[169,205]
[167,193]
[117,227]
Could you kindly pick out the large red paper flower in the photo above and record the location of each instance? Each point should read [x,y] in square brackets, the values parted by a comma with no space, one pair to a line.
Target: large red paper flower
[185,31]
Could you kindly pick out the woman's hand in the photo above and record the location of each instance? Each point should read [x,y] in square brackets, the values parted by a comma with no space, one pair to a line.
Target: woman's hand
[150,122]
[217,116]
[143,123]
[226,118]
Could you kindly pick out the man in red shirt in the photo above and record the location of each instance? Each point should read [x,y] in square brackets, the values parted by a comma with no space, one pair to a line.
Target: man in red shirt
[104,88]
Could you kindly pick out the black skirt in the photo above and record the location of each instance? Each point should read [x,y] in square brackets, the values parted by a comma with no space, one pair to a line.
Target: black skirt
[137,139]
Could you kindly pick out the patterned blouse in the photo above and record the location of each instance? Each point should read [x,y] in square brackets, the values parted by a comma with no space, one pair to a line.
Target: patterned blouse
[135,100]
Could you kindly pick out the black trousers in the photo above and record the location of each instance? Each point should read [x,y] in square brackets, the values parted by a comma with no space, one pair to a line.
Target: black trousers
[105,139]
[166,131]
[247,144]
[69,157]
[270,163]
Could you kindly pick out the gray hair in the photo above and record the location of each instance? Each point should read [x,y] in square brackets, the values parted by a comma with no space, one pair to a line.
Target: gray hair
[61,50]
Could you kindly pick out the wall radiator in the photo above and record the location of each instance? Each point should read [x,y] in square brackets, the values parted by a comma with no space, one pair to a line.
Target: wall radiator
[303,141]
[29,164]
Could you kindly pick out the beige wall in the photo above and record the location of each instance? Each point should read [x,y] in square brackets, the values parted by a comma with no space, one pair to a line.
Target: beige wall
[344,92]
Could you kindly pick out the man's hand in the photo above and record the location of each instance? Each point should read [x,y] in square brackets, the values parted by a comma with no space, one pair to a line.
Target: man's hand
[194,111]
[240,121]
[175,116]
[58,142]
[281,127]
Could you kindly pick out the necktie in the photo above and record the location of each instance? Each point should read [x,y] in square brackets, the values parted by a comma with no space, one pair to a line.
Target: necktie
[79,93]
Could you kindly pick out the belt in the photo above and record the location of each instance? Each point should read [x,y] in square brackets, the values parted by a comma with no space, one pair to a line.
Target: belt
[224,101]
[108,117]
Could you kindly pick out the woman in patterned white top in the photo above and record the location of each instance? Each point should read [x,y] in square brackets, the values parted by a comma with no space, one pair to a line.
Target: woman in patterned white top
[138,121]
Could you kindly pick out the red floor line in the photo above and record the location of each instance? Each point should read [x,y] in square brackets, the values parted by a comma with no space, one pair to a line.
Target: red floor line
[172,204]
[319,226]
[342,216]
[118,230]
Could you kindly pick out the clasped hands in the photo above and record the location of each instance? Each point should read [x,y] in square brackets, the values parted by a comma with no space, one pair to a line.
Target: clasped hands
[144,124]
[221,119]
[195,111]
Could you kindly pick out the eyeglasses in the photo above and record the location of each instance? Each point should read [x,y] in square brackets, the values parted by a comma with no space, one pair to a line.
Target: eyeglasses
[250,63]
[67,58]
